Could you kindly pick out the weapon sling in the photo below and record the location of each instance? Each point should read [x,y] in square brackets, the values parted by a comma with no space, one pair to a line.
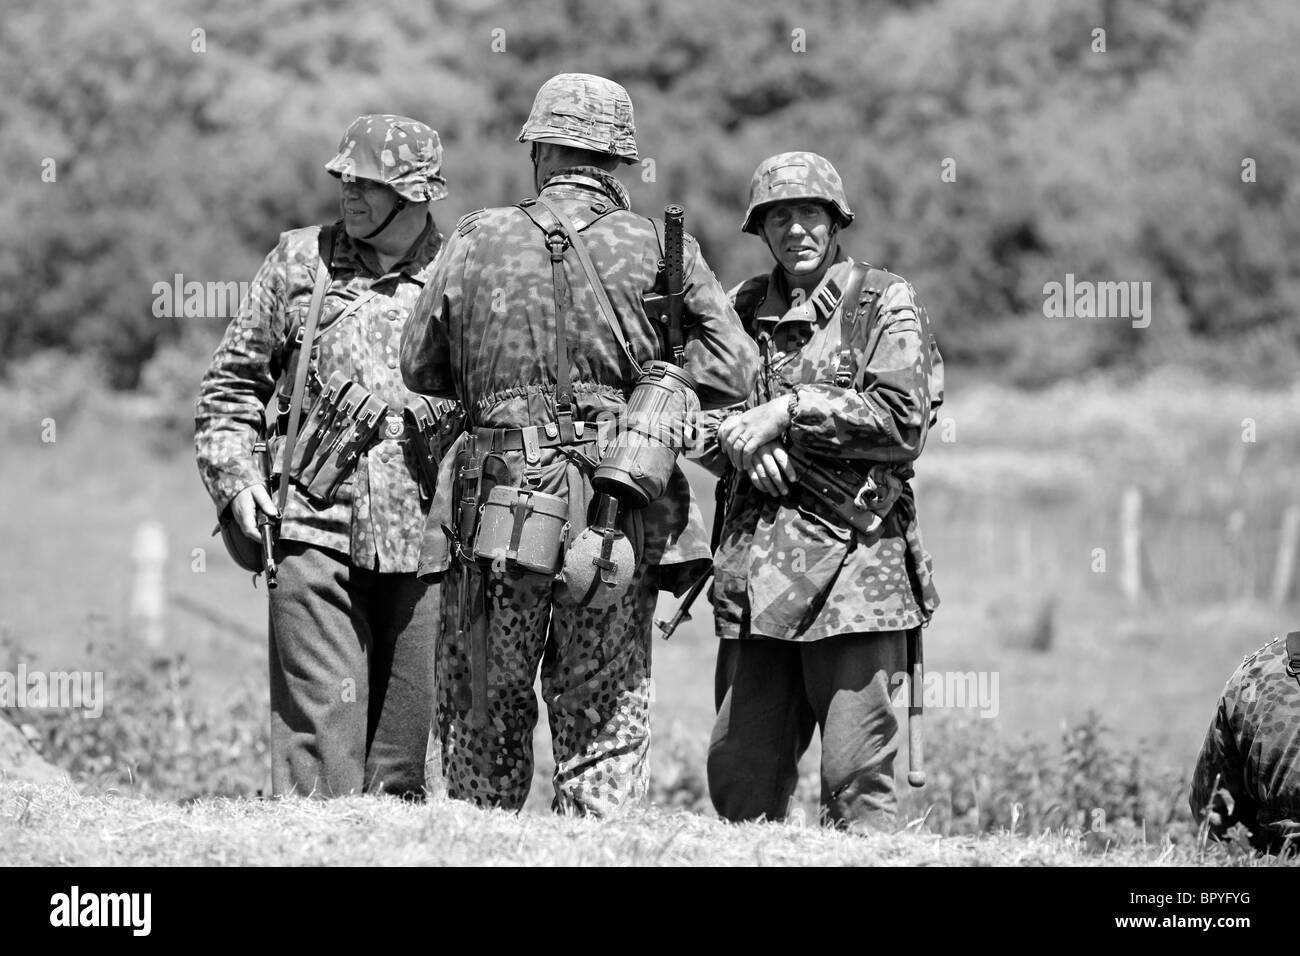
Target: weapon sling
[304,360]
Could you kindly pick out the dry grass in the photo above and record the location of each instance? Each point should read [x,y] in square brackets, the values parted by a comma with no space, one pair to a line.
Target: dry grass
[44,825]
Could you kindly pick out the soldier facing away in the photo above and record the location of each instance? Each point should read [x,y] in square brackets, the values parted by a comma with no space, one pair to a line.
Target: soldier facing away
[352,627]
[512,325]
[813,610]
[1248,770]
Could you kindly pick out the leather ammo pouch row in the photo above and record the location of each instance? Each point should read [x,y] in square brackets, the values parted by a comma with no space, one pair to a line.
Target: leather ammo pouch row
[342,422]
[431,425]
[862,501]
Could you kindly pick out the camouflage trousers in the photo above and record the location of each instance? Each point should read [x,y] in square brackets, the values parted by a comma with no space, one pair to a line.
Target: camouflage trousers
[595,667]
[771,695]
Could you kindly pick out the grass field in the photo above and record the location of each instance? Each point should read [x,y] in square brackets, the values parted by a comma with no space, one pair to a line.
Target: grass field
[48,824]
[1016,493]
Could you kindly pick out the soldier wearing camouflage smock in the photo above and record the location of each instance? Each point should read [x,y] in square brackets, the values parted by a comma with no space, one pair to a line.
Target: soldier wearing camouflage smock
[485,331]
[1248,771]
[353,628]
[813,612]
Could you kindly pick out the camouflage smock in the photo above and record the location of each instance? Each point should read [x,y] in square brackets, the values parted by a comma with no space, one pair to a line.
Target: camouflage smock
[484,331]
[1253,749]
[787,567]
[378,514]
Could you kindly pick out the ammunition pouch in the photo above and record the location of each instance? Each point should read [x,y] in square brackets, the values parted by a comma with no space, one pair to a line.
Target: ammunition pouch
[525,529]
[431,426]
[317,424]
[640,460]
[336,444]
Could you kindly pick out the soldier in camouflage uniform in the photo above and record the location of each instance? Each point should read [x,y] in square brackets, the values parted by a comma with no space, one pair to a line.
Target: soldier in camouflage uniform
[353,628]
[485,332]
[813,614]
[1248,771]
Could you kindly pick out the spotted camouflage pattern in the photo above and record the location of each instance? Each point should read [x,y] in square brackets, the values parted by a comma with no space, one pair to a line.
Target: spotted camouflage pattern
[397,151]
[595,681]
[484,332]
[797,175]
[584,111]
[377,516]
[788,567]
[1252,748]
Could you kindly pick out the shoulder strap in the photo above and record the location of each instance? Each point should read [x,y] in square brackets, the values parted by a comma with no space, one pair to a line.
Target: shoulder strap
[326,247]
[750,295]
[846,372]
[1293,653]
[593,278]
[556,243]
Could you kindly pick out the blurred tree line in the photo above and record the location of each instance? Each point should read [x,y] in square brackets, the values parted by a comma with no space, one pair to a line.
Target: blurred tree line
[156,138]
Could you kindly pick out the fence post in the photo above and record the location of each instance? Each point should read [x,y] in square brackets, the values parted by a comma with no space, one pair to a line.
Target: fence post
[1131,544]
[1284,566]
[148,597]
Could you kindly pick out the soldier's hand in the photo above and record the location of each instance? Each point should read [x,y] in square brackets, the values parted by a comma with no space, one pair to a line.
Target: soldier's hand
[770,469]
[761,425]
[742,435]
[247,504]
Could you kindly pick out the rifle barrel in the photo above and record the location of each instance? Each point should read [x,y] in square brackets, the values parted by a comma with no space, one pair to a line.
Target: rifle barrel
[684,609]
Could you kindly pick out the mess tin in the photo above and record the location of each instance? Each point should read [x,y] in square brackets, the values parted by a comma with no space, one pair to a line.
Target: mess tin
[528,529]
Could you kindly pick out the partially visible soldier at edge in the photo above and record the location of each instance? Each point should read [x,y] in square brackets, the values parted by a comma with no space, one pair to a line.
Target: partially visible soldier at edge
[1248,770]
[813,614]
[485,331]
[352,628]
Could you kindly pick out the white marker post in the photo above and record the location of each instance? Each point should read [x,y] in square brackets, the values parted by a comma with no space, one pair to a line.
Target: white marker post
[148,593]
[1284,566]
[1131,544]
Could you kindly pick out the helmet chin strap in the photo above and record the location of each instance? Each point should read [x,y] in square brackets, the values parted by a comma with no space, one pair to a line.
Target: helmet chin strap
[397,207]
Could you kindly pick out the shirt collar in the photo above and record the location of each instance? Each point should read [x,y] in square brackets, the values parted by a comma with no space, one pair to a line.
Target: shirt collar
[578,182]
[820,302]
[361,257]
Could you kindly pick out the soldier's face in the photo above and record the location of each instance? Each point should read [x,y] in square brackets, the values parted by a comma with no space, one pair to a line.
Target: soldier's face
[365,205]
[798,233]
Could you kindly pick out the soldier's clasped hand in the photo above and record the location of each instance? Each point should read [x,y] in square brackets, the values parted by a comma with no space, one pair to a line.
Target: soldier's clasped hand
[770,469]
[741,436]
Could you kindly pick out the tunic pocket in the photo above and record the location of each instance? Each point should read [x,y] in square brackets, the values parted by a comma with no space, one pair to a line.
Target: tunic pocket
[796,557]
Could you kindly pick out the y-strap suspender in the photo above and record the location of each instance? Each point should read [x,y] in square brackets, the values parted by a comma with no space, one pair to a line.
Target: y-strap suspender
[304,360]
[593,279]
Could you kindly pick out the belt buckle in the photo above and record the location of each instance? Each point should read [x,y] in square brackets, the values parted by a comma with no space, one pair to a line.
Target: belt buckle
[393,427]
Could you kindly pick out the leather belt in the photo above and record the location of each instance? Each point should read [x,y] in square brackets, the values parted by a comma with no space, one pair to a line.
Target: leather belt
[550,435]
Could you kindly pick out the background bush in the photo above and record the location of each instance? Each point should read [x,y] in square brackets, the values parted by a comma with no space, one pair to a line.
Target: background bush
[1122,165]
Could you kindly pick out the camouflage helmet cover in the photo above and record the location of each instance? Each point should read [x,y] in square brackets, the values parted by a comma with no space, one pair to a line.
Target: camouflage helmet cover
[583,111]
[792,176]
[397,151]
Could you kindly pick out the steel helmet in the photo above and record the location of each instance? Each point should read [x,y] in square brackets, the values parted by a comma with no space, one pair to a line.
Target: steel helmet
[797,175]
[397,151]
[583,111]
